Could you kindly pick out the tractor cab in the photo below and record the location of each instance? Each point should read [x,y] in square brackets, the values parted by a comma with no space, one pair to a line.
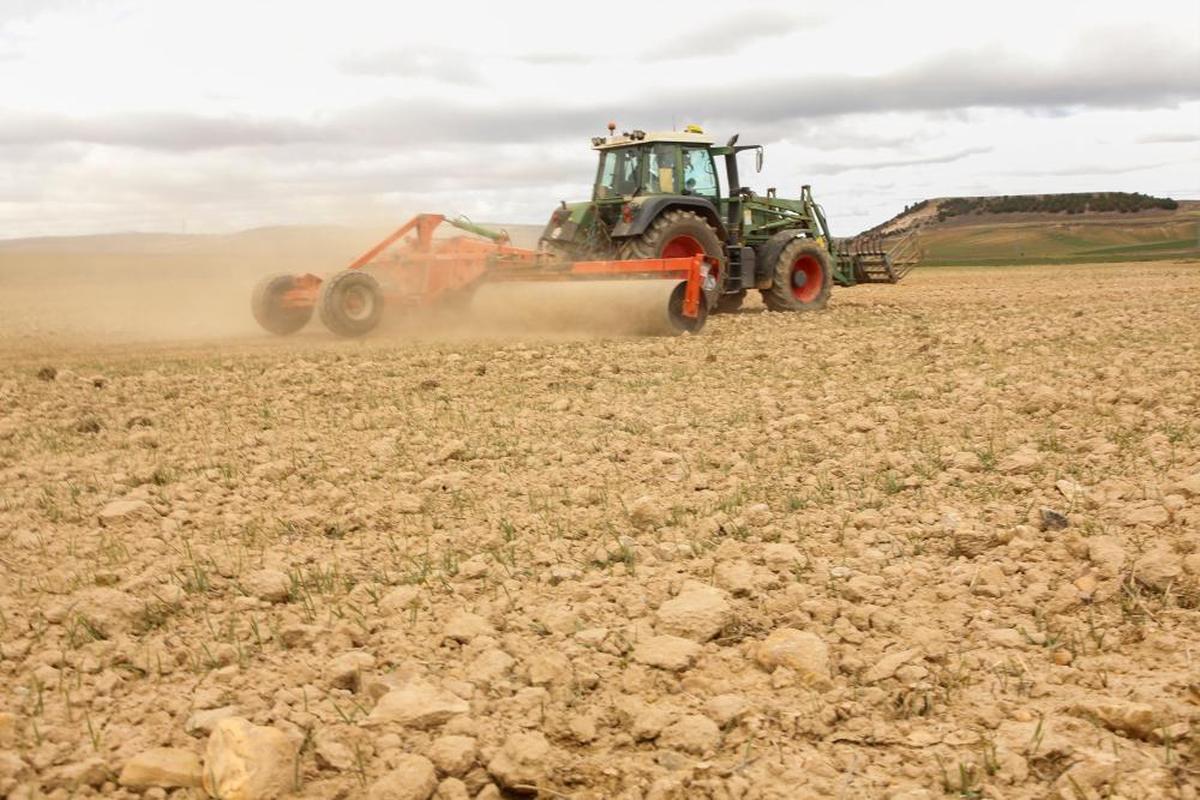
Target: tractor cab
[641,164]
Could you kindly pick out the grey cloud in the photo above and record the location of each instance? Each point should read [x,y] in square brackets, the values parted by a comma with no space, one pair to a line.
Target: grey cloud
[1169,138]
[439,63]
[154,131]
[554,58]
[1094,169]
[836,169]
[957,81]
[763,111]
[730,34]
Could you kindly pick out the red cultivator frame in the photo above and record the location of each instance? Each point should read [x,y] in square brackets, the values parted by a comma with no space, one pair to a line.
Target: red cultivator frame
[411,269]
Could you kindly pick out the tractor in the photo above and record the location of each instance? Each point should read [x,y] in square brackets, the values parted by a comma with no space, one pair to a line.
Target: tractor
[658,195]
[657,218]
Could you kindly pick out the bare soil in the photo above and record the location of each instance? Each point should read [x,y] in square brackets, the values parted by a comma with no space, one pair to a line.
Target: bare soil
[940,540]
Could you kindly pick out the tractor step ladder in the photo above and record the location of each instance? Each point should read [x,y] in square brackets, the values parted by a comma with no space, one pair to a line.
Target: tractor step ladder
[876,262]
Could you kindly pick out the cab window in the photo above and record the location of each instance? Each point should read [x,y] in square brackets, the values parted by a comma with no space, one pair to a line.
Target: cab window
[661,169]
[619,172]
[699,173]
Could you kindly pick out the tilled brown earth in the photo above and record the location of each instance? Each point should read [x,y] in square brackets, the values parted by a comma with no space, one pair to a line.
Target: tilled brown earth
[943,539]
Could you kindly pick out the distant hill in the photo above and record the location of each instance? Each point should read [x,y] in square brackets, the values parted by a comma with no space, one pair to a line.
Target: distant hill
[1050,228]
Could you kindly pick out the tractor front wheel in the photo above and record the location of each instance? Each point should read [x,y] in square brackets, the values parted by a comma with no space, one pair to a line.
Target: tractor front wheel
[351,303]
[271,309]
[801,278]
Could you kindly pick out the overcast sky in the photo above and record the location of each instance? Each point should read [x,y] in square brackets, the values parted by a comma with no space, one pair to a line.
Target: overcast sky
[163,115]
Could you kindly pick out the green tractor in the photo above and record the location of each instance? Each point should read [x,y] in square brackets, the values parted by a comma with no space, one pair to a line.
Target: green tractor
[658,195]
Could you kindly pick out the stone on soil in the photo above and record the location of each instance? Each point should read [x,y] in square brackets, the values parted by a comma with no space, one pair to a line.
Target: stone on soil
[412,778]
[521,763]
[244,761]
[164,767]
[417,705]
[803,652]
[666,652]
[698,613]
[270,585]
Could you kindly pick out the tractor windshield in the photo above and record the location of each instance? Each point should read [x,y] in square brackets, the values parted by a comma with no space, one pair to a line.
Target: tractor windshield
[699,175]
[619,172]
[660,169]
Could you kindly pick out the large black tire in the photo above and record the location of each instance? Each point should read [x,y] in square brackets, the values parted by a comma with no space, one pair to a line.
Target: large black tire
[801,277]
[351,303]
[266,303]
[676,234]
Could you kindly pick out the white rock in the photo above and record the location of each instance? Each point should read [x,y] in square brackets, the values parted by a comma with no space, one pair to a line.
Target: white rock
[345,671]
[331,752]
[646,513]
[164,767]
[520,764]
[491,665]
[203,722]
[691,733]
[736,576]
[453,755]
[666,652]
[465,626]
[267,584]
[1107,554]
[412,778]
[1159,567]
[990,581]
[244,761]
[453,789]
[725,709]
[698,613]
[886,666]
[103,611]
[1151,516]
[1138,720]
[400,600]
[125,511]
[803,652]
[417,705]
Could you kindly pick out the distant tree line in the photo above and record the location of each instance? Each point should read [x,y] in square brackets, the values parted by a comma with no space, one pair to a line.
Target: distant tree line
[1076,203]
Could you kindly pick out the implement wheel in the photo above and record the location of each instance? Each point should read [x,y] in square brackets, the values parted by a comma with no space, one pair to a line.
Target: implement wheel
[351,303]
[676,234]
[801,278]
[269,305]
[679,322]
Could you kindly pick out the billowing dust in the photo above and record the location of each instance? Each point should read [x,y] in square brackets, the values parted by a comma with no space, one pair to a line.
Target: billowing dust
[129,289]
[941,540]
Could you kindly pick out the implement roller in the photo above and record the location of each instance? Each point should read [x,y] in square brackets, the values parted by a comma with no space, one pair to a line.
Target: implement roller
[657,219]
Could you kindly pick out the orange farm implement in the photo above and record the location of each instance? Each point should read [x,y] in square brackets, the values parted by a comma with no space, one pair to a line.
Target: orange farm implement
[411,269]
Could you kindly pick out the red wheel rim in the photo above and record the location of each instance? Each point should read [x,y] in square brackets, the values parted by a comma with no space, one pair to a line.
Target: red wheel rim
[681,247]
[684,246]
[806,278]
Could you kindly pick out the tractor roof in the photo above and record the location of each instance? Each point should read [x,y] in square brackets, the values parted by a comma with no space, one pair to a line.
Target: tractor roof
[640,137]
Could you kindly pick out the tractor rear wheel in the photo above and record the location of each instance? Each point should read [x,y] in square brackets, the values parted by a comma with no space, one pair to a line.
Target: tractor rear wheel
[801,278]
[268,305]
[676,234]
[351,303]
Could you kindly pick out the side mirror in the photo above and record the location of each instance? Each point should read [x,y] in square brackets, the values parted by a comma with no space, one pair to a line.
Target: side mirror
[758,157]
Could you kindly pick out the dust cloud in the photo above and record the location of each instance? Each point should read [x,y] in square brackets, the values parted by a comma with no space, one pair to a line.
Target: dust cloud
[131,288]
[146,287]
